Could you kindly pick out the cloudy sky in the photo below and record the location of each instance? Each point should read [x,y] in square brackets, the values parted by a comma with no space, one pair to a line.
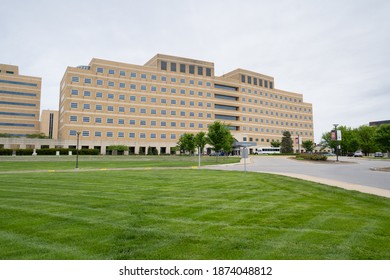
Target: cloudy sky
[335,52]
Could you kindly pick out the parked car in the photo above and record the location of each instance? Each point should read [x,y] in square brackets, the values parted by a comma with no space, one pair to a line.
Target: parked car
[378,154]
[350,154]
[358,154]
[329,154]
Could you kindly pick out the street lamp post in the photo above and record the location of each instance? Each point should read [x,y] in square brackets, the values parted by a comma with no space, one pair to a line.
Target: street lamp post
[337,143]
[77,150]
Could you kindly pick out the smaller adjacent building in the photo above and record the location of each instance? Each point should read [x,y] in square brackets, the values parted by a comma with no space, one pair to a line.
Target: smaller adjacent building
[20,98]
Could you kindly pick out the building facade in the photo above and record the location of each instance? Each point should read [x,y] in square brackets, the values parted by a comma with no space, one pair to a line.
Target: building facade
[151,105]
[49,123]
[20,98]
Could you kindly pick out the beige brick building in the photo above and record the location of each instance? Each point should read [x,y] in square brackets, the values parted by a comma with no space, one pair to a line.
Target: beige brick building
[20,98]
[151,105]
[49,123]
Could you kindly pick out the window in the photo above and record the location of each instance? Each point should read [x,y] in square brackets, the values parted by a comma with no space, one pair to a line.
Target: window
[200,70]
[99,94]
[133,75]
[85,133]
[243,78]
[133,86]
[142,135]
[121,109]
[132,122]
[72,132]
[163,65]
[110,96]
[73,118]
[182,68]
[98,134]
[142,122]
[111,71]
[86,119]
[121,121]
[143,76]
[109,134]
[111,84]
[121,97]
[122,85]
[75,92]
[121,134]
[99,82]
[99,70]
[88,81]
[208,72]
[110,108]
[143,99]
[75,79]
[192,69]
[98,120]
[99,107]
[131,135]
[87,93]
[110,120]
[87,106]
[122,73]
[173,66]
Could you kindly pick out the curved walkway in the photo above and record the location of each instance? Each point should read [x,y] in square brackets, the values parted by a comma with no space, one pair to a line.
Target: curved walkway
[348,173]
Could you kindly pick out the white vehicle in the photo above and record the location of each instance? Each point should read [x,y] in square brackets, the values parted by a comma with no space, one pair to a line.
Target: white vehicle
[267,150]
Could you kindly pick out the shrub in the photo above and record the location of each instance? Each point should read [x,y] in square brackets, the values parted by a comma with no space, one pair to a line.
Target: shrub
[311,157]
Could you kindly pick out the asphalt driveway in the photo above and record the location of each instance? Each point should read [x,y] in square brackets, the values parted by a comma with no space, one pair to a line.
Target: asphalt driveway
[346,172]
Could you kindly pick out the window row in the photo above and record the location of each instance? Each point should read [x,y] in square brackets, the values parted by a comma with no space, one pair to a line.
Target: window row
[122,109]
[256,81]
[184,68]
[133,122]
[120,96]
[122,134]
[100,82]
[271,95]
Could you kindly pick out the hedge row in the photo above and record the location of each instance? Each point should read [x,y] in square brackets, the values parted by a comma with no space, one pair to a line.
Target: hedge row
[47,152]
[311,157]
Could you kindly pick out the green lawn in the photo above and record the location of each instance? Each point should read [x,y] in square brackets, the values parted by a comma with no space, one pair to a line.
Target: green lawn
[98,162]
[186,214]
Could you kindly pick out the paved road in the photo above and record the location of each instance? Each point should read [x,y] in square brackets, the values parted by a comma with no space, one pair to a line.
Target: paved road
[349,171]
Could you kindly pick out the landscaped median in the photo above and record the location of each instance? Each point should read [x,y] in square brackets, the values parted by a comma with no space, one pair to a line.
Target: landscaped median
[315,157]
[186,214]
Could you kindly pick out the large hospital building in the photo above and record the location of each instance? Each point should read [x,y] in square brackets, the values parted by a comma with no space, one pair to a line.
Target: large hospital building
[151,105]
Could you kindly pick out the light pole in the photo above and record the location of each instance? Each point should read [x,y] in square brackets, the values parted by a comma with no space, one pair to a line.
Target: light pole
[337,143]
[77,150]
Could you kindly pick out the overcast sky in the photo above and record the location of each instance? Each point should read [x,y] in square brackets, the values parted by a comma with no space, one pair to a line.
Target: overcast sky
[335,52]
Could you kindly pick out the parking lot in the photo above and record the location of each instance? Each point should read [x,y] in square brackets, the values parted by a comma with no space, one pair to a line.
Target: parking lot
[349,173]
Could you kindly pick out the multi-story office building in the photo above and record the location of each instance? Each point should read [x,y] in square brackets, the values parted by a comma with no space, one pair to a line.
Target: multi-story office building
[20,98]
[151,105]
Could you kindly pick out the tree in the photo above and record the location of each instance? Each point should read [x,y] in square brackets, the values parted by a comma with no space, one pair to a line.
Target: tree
[382,137]
[308,145]
[365,136]
[286,147]
[219,137]
[186,143]
[275,144]
[200,140]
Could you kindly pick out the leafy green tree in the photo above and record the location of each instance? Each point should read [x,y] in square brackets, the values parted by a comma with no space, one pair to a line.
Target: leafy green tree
[186,143]
[200,140]
[286,147]
[275,144]
[365,136]
[382,137]
[308,145]
[327,142]
[219,137]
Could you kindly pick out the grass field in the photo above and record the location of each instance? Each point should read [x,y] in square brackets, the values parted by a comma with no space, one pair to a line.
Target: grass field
[186,214]
[98,162]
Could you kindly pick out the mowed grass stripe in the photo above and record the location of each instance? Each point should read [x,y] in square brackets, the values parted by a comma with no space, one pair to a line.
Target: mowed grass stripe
[187,214]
